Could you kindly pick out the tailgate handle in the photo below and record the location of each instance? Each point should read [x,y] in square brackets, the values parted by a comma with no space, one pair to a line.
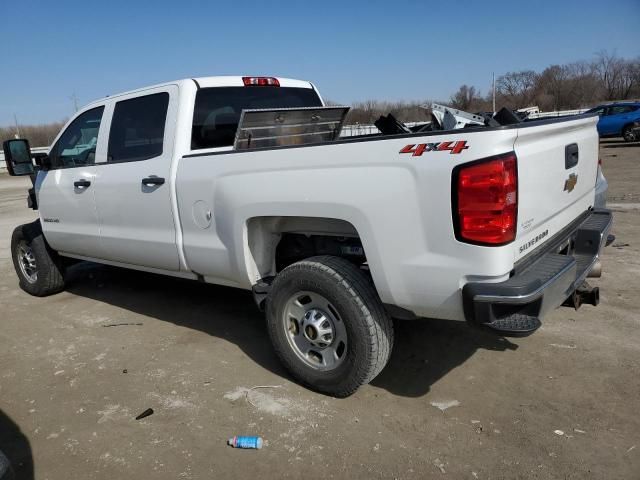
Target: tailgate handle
[570,156]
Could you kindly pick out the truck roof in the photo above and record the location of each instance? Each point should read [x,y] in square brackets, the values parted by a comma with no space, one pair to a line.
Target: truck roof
[210,82]
[236,81]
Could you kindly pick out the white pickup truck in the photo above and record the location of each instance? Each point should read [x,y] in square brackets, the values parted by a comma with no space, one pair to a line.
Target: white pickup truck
[494,225]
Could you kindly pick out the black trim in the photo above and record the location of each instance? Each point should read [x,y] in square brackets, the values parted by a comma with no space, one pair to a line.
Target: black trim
[516,306]
[150,181]
[570,156]
[553,244]
[373,138]
[261,291]
[196,82]
[82,183]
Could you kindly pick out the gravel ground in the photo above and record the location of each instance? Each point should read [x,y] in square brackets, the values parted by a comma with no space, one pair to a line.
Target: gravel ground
[76,368]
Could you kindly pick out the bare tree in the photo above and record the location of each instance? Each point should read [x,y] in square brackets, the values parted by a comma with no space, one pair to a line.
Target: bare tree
[553,88]
[517,89]
[584,86]
[630,78]
[38,135]
[615,74]
[367,112]
[465,98]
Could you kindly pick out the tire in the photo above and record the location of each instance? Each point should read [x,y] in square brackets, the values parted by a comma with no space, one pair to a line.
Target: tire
[360,331]
[629,134]
[31,253]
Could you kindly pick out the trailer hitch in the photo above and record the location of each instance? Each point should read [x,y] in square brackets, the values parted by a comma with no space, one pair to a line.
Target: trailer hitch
[585,293]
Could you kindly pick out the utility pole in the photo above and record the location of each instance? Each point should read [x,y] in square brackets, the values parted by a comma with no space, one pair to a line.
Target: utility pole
[493,88]
[15,120]
[74,99]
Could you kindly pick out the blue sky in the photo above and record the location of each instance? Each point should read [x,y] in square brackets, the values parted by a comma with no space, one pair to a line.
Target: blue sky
[352,50]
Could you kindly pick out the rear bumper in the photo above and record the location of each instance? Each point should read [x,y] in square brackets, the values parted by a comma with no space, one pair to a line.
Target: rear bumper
[542,281]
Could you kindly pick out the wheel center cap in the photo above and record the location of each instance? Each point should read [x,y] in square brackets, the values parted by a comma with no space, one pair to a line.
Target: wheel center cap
[310,332]
[318,328]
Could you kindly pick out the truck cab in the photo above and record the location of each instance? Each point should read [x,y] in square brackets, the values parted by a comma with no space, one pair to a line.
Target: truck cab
[107,190]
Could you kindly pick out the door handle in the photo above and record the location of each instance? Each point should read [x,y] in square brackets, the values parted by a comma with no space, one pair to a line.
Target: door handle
[151,181]
[82,183]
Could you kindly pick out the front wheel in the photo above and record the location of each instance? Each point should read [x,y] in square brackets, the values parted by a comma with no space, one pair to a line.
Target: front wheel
[328,325]
[39,268]
[629,134]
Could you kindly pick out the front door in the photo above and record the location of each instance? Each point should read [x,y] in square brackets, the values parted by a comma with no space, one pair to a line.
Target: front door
[66,191]
[133,188]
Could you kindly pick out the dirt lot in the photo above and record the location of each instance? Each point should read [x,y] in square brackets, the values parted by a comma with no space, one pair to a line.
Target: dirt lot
[77,367]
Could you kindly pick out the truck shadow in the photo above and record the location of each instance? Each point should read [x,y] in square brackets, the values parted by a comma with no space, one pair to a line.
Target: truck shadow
[16,448]
[425,350]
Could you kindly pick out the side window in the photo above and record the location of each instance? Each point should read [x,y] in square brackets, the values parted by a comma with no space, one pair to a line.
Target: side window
[618,109]
[137,128]
[77,145]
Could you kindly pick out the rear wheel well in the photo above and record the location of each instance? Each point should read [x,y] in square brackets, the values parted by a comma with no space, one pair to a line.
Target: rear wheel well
[294,247]
[274,243]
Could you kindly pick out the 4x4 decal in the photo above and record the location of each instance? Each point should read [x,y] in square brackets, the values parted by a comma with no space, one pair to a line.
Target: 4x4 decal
[419,149]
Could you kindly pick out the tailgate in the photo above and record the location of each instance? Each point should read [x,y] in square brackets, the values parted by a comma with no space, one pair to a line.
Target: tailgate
[557,168]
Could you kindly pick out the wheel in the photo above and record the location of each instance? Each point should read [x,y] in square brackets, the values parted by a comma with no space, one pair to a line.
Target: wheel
[629,134]
[328,325]
[39,268]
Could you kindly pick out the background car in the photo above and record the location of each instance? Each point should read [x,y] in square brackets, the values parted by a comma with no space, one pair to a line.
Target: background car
[618,119]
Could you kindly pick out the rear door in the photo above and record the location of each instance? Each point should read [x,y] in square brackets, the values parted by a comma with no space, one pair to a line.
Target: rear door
[66,192]
[133,191]
[557,168]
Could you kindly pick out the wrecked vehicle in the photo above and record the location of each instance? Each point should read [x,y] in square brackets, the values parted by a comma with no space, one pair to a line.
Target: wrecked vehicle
[244,182]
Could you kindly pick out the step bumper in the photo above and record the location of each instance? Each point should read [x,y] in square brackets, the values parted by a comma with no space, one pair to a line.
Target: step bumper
[542,282]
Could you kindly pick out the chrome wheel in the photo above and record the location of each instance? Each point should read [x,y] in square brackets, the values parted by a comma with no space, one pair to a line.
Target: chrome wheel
[315,330]
[27,261]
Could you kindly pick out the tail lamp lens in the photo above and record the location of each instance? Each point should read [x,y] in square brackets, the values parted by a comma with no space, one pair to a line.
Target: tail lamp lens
[486,206]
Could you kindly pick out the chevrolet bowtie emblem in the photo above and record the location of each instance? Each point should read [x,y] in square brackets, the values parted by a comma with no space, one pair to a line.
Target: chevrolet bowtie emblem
[570,183]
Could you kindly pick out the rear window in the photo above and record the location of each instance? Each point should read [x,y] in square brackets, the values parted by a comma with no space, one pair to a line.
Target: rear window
[137,128]
[217,110]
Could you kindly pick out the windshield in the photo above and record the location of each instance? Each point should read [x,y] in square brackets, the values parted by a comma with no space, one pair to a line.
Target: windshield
[217,110]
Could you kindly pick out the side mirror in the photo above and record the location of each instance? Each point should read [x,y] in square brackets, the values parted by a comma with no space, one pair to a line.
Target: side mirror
[17,156]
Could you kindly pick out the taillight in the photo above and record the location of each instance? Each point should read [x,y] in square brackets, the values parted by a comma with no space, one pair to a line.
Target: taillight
[485,200]
[260,81]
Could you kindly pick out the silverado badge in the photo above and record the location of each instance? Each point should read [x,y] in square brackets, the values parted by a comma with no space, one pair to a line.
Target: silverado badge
[570,183]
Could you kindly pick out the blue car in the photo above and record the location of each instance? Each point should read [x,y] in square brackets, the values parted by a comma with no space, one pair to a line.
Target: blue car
[618,120]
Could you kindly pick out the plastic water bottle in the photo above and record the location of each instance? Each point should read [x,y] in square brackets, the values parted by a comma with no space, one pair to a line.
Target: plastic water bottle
[245,442]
